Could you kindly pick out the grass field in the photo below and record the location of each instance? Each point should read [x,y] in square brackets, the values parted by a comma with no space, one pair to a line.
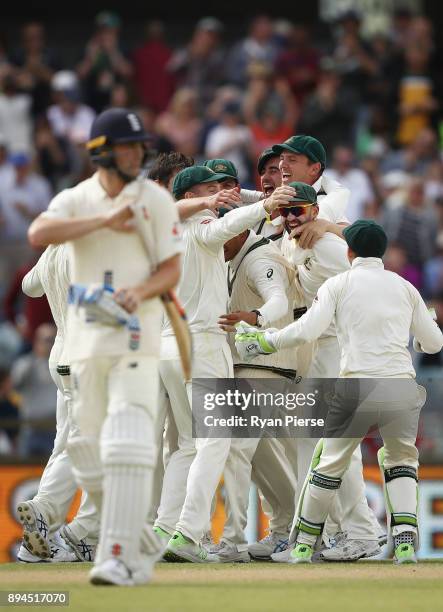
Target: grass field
[357,587]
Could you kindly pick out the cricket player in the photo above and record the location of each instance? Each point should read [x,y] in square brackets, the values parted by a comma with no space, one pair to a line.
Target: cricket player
[327,257]
[270,179]
[262,288]
[113,337]
[186,500]
[363,300]
[44,514]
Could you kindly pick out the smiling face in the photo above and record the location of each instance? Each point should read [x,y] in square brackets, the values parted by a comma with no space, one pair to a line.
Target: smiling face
[298,167]
[271,177]
[309,213]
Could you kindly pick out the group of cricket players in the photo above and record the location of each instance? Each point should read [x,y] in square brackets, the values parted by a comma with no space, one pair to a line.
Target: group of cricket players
[276,284]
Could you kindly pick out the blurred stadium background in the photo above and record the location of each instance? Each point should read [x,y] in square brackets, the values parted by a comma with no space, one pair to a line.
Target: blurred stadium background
[363,76]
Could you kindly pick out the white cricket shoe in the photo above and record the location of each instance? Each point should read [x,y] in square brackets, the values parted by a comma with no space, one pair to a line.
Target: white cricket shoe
[112,572]
[181,549]
[271,544]
[351,550]
[83,550]
[35,530]
[60,553]
[229,553]
[283,556]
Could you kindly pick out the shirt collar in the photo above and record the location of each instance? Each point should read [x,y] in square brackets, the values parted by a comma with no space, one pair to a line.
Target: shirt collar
[235,261]
[129,190]
[317,185]
[369,262]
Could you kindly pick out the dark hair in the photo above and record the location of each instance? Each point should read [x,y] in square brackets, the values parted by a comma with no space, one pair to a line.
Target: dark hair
[168,163]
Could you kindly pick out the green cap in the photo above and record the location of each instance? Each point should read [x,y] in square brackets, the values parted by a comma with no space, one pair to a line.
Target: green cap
[305,145]
[366,238]
[222,166]
[265,156]
[305,193]
[194,175]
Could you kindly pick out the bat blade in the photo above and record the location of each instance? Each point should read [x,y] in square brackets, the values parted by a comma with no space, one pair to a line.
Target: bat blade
[177,317]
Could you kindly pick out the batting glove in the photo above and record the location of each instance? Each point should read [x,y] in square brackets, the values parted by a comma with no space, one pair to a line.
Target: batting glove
[250,342]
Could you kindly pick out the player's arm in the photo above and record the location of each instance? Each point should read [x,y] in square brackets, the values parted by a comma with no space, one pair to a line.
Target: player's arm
[215,233]
[31,284]
[250,196]
[187,207]
[269,281]
[428,337]
[48,229]
[250,342]
[164,278]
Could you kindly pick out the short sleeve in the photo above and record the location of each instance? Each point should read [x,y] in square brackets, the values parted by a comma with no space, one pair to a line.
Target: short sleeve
[62,206]
[166,225]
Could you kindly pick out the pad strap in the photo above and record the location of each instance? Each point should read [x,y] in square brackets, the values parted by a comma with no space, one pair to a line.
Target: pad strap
[403,518]
[324,482]
[306,526]
[400,471]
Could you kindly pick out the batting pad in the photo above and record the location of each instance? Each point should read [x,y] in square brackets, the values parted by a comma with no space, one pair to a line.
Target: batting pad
[401,497]
[128,455]
[84,453]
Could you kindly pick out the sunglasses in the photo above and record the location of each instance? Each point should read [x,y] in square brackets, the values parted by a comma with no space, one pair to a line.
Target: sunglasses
[297,211]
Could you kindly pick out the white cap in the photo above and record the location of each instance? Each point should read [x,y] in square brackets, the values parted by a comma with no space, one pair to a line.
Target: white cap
[64,80]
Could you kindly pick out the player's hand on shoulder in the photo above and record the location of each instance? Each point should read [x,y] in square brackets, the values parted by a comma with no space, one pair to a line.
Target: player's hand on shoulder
[280,197]
[120,219]
[309,233]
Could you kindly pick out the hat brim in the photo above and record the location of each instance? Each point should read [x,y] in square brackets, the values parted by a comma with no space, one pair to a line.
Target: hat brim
[277,149]
[215,177]
[284,147]
[299,201]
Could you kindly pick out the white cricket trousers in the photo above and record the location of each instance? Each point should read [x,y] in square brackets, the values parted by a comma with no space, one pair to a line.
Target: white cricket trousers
[203,458]
[115,403]
[350,511]
[57,485]
[265,460]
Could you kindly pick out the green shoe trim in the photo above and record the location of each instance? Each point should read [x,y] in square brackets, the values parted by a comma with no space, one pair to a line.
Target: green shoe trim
[302,551]
[162,533]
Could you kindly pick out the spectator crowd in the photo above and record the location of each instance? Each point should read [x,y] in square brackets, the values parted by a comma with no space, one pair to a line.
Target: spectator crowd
[374,102]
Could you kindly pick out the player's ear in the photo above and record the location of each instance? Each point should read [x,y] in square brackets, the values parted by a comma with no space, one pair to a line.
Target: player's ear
[188,194]
[315,210]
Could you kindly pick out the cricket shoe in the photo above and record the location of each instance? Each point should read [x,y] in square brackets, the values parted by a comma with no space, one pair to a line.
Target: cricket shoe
[404,548]
[271,544]
[112,572]
[35,530]
[302,553]
[83,550]
[351,550]
[283,556]
[60,553]
[181,549]
[229,553]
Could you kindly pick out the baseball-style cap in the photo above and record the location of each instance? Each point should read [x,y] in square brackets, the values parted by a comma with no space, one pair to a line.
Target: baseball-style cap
[265,156]
[305,193]
[107,19]
[222,166]
[305,145]
[195,175]
[366,238]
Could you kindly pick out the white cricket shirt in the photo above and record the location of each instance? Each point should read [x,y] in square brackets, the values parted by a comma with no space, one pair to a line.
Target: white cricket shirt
[123,255]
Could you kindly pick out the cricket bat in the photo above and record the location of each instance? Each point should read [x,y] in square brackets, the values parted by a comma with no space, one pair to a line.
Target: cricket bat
[174,309]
